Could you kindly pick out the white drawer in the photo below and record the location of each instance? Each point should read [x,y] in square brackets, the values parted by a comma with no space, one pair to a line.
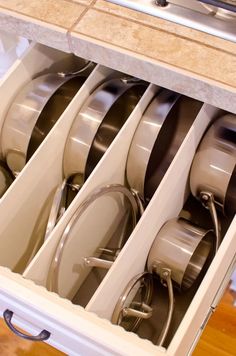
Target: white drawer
[75,330]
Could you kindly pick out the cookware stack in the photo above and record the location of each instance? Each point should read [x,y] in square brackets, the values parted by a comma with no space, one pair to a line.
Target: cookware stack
[181,249]
[33,113]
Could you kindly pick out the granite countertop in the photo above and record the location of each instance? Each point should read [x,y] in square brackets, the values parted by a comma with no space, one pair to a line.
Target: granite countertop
[176,57]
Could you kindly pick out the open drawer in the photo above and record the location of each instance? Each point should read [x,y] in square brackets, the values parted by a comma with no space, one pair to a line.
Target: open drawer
[88,331]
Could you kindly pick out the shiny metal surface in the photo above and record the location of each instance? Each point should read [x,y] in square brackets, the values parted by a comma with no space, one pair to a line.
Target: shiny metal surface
[183,248]
[167,281]
[214,163]
[113,122]
[59,205]
[53,274]
[129,313]
[52,111]
[145,137]
[140,287]
[53,216]
[26,117]
[190,13]
[175,128]
[87,123]
[157,139]
[97,262]
[125,99]
[22,117]
[207,200]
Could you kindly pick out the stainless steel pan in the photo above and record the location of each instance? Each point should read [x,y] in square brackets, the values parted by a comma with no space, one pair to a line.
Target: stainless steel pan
[157,139]
[26,117]
[213,171]
[99,110]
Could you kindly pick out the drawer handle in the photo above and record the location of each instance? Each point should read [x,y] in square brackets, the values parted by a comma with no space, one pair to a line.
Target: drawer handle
[44,335]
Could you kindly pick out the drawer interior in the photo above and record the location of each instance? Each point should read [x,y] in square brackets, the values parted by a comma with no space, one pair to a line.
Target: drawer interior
[110,170]
[31,193]
[33,189]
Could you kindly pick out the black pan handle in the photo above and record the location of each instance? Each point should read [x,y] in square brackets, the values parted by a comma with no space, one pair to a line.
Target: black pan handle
[8,314]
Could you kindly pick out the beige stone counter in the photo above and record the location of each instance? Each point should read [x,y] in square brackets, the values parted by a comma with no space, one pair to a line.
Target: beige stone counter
[167,54]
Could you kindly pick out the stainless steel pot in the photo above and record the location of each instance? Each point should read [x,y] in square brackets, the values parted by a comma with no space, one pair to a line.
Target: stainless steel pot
[178,254]
[26,123]
[213,171]
[182,248]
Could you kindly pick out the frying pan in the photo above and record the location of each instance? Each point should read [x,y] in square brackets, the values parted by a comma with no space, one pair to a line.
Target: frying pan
[33,112]
[213,171]
[97,123]
[157,139]
[94,128]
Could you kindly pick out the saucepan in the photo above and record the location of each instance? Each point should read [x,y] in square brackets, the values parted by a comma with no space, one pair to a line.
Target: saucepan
[157,138]
[34,111]
[178,255]
[213,171]
[94,128]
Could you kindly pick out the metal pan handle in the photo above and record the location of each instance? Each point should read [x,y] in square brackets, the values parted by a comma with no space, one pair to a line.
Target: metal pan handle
[137,310]
[54,214]
[55,265]
[122,311]
[113,252]
[42,336]
[166,280]
[75,73]
[207,200]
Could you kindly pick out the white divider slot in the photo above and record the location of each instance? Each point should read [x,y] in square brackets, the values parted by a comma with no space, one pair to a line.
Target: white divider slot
[89,229]
[166,203]
[24,201]
[36,60]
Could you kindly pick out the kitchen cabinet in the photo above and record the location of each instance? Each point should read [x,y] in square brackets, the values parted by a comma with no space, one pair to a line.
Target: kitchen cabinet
[73,329]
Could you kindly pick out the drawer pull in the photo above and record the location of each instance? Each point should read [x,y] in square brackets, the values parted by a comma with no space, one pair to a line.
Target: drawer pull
[44,335]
